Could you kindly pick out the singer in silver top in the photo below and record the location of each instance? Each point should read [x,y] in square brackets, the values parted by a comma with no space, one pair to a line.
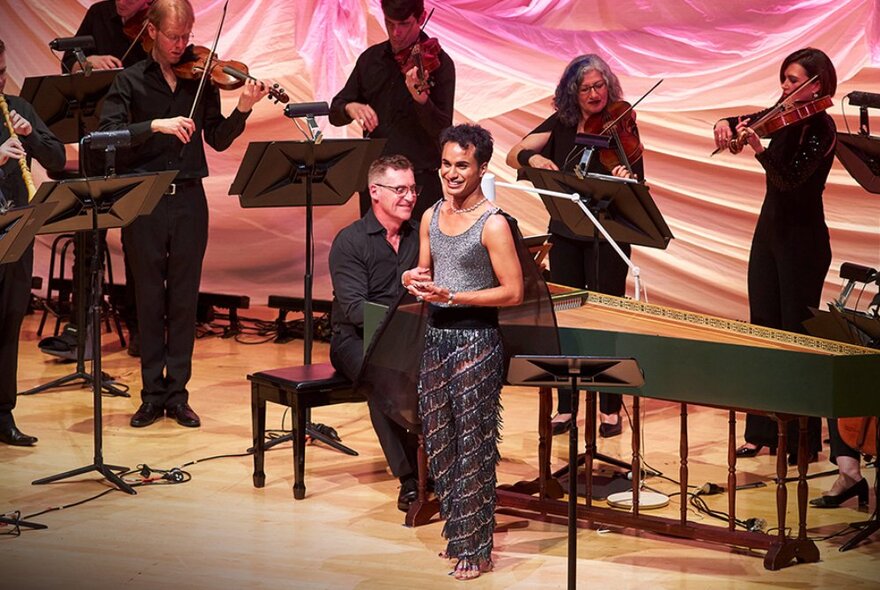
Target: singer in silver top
[468,268]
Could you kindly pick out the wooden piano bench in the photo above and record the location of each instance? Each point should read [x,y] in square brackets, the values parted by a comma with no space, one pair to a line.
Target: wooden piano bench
[300,388]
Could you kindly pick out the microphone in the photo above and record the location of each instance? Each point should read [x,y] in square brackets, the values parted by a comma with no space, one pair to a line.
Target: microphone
[309,110]
[487,185]
[864,99]
[68,43]
[100,140]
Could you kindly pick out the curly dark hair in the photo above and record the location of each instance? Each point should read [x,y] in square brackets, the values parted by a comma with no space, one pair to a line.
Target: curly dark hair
[815,63]
[467,135]
[2,47]
[566,99]
[403,9]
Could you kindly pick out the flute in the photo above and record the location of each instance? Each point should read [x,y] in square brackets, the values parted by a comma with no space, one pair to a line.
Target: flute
[22,162]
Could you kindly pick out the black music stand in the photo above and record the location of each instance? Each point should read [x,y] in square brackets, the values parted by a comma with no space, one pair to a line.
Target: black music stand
[305,174]
[860,155]
[99,203]
[69,104]
[575,372]
[18,227]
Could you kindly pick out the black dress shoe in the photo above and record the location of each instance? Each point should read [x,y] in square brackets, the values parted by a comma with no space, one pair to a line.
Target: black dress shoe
[607,430]
[409,493]
[860,489]
[11,435]
[147,414]
[184,415]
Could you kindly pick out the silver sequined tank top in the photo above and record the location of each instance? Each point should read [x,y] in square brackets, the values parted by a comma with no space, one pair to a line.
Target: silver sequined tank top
[461,262]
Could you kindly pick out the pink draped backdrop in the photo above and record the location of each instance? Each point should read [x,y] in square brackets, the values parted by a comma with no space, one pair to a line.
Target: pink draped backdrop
[717,59]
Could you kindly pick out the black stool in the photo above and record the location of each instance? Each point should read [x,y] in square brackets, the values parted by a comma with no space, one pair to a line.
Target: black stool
[300,388]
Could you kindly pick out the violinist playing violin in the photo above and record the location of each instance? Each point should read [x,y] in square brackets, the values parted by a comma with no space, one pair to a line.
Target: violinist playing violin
[588,97]
[791,249]
[166,247]
[110,23]
[389,96]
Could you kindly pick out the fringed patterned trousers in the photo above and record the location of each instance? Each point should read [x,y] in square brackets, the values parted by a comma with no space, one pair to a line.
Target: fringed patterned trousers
[459,405]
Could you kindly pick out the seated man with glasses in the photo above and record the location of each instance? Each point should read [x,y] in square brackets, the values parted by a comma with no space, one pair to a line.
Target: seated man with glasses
[367,259]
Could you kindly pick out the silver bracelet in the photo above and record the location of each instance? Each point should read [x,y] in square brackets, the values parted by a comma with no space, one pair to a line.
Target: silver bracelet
[451,297]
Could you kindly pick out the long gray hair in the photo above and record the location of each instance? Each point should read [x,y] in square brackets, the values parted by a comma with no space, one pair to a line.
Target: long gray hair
[566,99]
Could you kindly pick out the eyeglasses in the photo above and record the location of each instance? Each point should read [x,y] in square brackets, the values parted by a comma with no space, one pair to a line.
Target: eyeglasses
[177,38]
[598,86]
[402,190]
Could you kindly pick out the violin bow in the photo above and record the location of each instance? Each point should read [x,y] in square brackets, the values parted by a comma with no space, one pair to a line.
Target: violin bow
[136,40]
[632,106]
[207,72]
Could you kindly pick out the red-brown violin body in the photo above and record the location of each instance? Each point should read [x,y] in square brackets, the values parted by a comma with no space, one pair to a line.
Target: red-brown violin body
[624,130]
[225,74]
[425,57]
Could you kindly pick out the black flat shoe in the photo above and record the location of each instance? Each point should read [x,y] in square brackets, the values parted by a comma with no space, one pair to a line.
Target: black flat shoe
[184,415]
[561,427]
[860,489]
[409,493]
[147,414]
[745,452]
[11,435]
[608,430]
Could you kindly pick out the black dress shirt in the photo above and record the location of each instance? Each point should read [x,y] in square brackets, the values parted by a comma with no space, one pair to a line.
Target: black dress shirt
[104,24]
[412,130]
[39,143]
[140,94]
[364,267]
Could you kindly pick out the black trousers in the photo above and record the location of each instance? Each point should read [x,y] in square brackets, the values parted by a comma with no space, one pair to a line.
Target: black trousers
[573,263]
[432,192]
[15,288]
[166,249]
[399,446]
[838,447]
[787,268]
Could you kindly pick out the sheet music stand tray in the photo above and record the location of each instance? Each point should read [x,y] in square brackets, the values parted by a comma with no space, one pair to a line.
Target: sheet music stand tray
[625,209]
[69,104]
[95,204]
[576,373]
[18,226]
[304,174]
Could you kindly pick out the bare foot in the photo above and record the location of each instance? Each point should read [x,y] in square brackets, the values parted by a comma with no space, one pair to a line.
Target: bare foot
[466,570]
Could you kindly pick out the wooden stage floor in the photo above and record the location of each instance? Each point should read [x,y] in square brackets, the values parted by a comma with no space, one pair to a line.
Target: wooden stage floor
[218,531]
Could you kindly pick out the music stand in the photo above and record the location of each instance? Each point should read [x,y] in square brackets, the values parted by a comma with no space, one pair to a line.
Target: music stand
[860,155]
[70,104]
[305,174]
[99,203]
[575,372]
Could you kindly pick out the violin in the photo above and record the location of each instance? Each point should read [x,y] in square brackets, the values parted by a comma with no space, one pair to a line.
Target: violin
[617,120]
[425,57]
[780,117]
[226,75]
